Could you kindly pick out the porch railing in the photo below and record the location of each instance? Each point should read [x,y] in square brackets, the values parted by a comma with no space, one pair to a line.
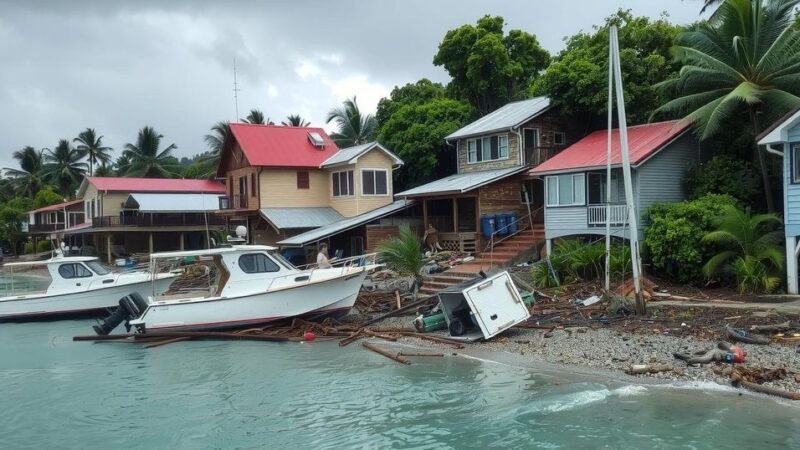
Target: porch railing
[596,215]
[147,220]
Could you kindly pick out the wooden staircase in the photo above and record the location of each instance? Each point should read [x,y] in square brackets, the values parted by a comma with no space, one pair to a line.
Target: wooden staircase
[505,253]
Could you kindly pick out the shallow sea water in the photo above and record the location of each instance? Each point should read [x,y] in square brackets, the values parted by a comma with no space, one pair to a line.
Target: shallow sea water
[58,393]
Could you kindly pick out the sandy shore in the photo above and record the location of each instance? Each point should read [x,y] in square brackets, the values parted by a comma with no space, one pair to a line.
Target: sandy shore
[613,350]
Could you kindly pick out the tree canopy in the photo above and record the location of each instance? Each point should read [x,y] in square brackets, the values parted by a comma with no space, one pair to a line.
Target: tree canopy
[47,196]
[145,158]
[577,80]
[490,68]
[354,126]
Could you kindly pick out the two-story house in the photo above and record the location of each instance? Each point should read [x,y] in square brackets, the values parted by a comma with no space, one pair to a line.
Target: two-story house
[286,181]
[46,222]
[783,139]
[142,215]
[493,154]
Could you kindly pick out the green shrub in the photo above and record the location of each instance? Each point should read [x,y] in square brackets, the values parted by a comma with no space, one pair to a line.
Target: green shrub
[673,237]
[542,276]
[28,248]
[753,276]
[723,175]
[41,246]
[576,259]
[620,261]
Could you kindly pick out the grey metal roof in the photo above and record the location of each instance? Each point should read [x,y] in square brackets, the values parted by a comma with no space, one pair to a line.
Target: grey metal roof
[461,182]
[345,224]
[310,217]
[511,115]
[349,155]
[172,202]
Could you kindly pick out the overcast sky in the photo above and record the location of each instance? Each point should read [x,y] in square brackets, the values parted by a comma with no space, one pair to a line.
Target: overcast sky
[117,66]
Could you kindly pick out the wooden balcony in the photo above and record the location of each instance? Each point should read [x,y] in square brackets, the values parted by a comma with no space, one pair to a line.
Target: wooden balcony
[44,227]
[158,220]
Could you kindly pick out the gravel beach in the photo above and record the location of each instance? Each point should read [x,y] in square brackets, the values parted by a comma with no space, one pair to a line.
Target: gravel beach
[612,349]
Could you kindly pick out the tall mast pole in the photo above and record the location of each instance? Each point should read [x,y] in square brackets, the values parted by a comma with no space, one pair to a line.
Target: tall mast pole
[235,91]
[608,168]
[633,220]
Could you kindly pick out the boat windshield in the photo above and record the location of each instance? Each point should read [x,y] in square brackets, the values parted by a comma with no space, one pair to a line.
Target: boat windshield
[98,268]
[23,280]
[283,261]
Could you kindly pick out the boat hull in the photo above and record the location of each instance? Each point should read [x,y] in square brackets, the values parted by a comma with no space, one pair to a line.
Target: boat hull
[89,302]
[251,309]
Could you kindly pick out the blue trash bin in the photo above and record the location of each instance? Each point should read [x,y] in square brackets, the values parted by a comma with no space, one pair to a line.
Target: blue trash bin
[488,225]
[501,223]
[512,222]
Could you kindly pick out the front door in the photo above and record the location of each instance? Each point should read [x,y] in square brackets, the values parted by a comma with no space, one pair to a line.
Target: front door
[467,220]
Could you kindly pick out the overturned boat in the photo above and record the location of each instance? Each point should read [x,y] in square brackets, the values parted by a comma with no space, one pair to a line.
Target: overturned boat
[70,286]
[238,286]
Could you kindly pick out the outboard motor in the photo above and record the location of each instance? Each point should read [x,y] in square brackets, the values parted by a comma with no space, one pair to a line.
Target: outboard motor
[130,307]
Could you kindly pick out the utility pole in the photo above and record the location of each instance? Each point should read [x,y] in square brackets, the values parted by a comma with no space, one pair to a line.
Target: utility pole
[633,220]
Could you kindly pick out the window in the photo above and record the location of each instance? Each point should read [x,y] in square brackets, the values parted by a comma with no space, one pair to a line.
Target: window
[98,268]
[796,163]
[566,190]
[598,188]
[489,148]
[559,138]
[303,181]
[257,263]
[342,183]
[374,182]
[74,270]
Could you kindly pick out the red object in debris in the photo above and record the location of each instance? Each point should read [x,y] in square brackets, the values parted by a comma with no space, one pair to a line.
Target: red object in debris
[738,354]
[309,336]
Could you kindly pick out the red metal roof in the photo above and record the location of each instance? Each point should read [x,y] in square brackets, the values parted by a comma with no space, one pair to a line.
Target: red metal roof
[57,206]
[591,151]
[281,146]
[155,185]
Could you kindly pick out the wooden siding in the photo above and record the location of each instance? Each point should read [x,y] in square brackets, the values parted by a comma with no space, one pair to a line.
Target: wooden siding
[662,178]
[791,191]
[278,189]
[512,160]
[112,203]
[502,196]
[359,203]
[548,123]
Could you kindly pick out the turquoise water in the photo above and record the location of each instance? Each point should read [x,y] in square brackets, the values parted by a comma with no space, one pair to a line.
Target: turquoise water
[63,394]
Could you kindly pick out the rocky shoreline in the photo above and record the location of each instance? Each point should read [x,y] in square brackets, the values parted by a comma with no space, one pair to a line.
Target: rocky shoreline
[614,349]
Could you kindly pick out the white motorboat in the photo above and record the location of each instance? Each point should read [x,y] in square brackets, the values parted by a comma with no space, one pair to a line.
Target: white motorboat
[69,285]
[246,285]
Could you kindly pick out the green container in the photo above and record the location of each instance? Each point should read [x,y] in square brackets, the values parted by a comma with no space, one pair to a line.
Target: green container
[437,322]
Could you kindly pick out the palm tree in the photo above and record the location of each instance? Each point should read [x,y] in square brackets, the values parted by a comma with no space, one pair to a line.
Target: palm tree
[28,179]
[92,146]
[404,255]
[294,120]
[122,165]
[146,157]
[747,60]
[215,141]
[355,128]
[104,170]
[63,167]
[256,117]
[752,252]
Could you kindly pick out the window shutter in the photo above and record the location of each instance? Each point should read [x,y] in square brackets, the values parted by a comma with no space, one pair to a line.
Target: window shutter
[495,153]
[335,178]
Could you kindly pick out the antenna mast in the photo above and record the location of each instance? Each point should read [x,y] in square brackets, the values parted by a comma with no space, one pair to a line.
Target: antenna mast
[235,91]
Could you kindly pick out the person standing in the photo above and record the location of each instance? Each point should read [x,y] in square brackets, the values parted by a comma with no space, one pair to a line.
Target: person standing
[322,257]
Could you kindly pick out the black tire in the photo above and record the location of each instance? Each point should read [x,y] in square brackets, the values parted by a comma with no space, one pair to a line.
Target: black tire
[456,327]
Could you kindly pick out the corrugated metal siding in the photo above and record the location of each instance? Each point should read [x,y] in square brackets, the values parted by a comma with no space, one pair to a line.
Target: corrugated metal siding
[661,179]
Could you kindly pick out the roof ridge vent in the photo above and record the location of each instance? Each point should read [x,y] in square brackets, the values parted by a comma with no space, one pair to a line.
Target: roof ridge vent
[316,140]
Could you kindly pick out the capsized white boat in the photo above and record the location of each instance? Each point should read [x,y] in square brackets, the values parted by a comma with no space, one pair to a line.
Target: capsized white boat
[247,285]
[69,285]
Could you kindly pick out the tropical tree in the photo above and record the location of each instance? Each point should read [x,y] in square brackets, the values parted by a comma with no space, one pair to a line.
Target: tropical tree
[404,254]
[577,80]
[490,68]
[28,179]
[752,253]
[745,61]
[91,145]
[121,165]
[12,213]
[64,167]
[256,117]
[419,92]
[104,170]
[47,196]
[295,120]
[146,157]
[355,127]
